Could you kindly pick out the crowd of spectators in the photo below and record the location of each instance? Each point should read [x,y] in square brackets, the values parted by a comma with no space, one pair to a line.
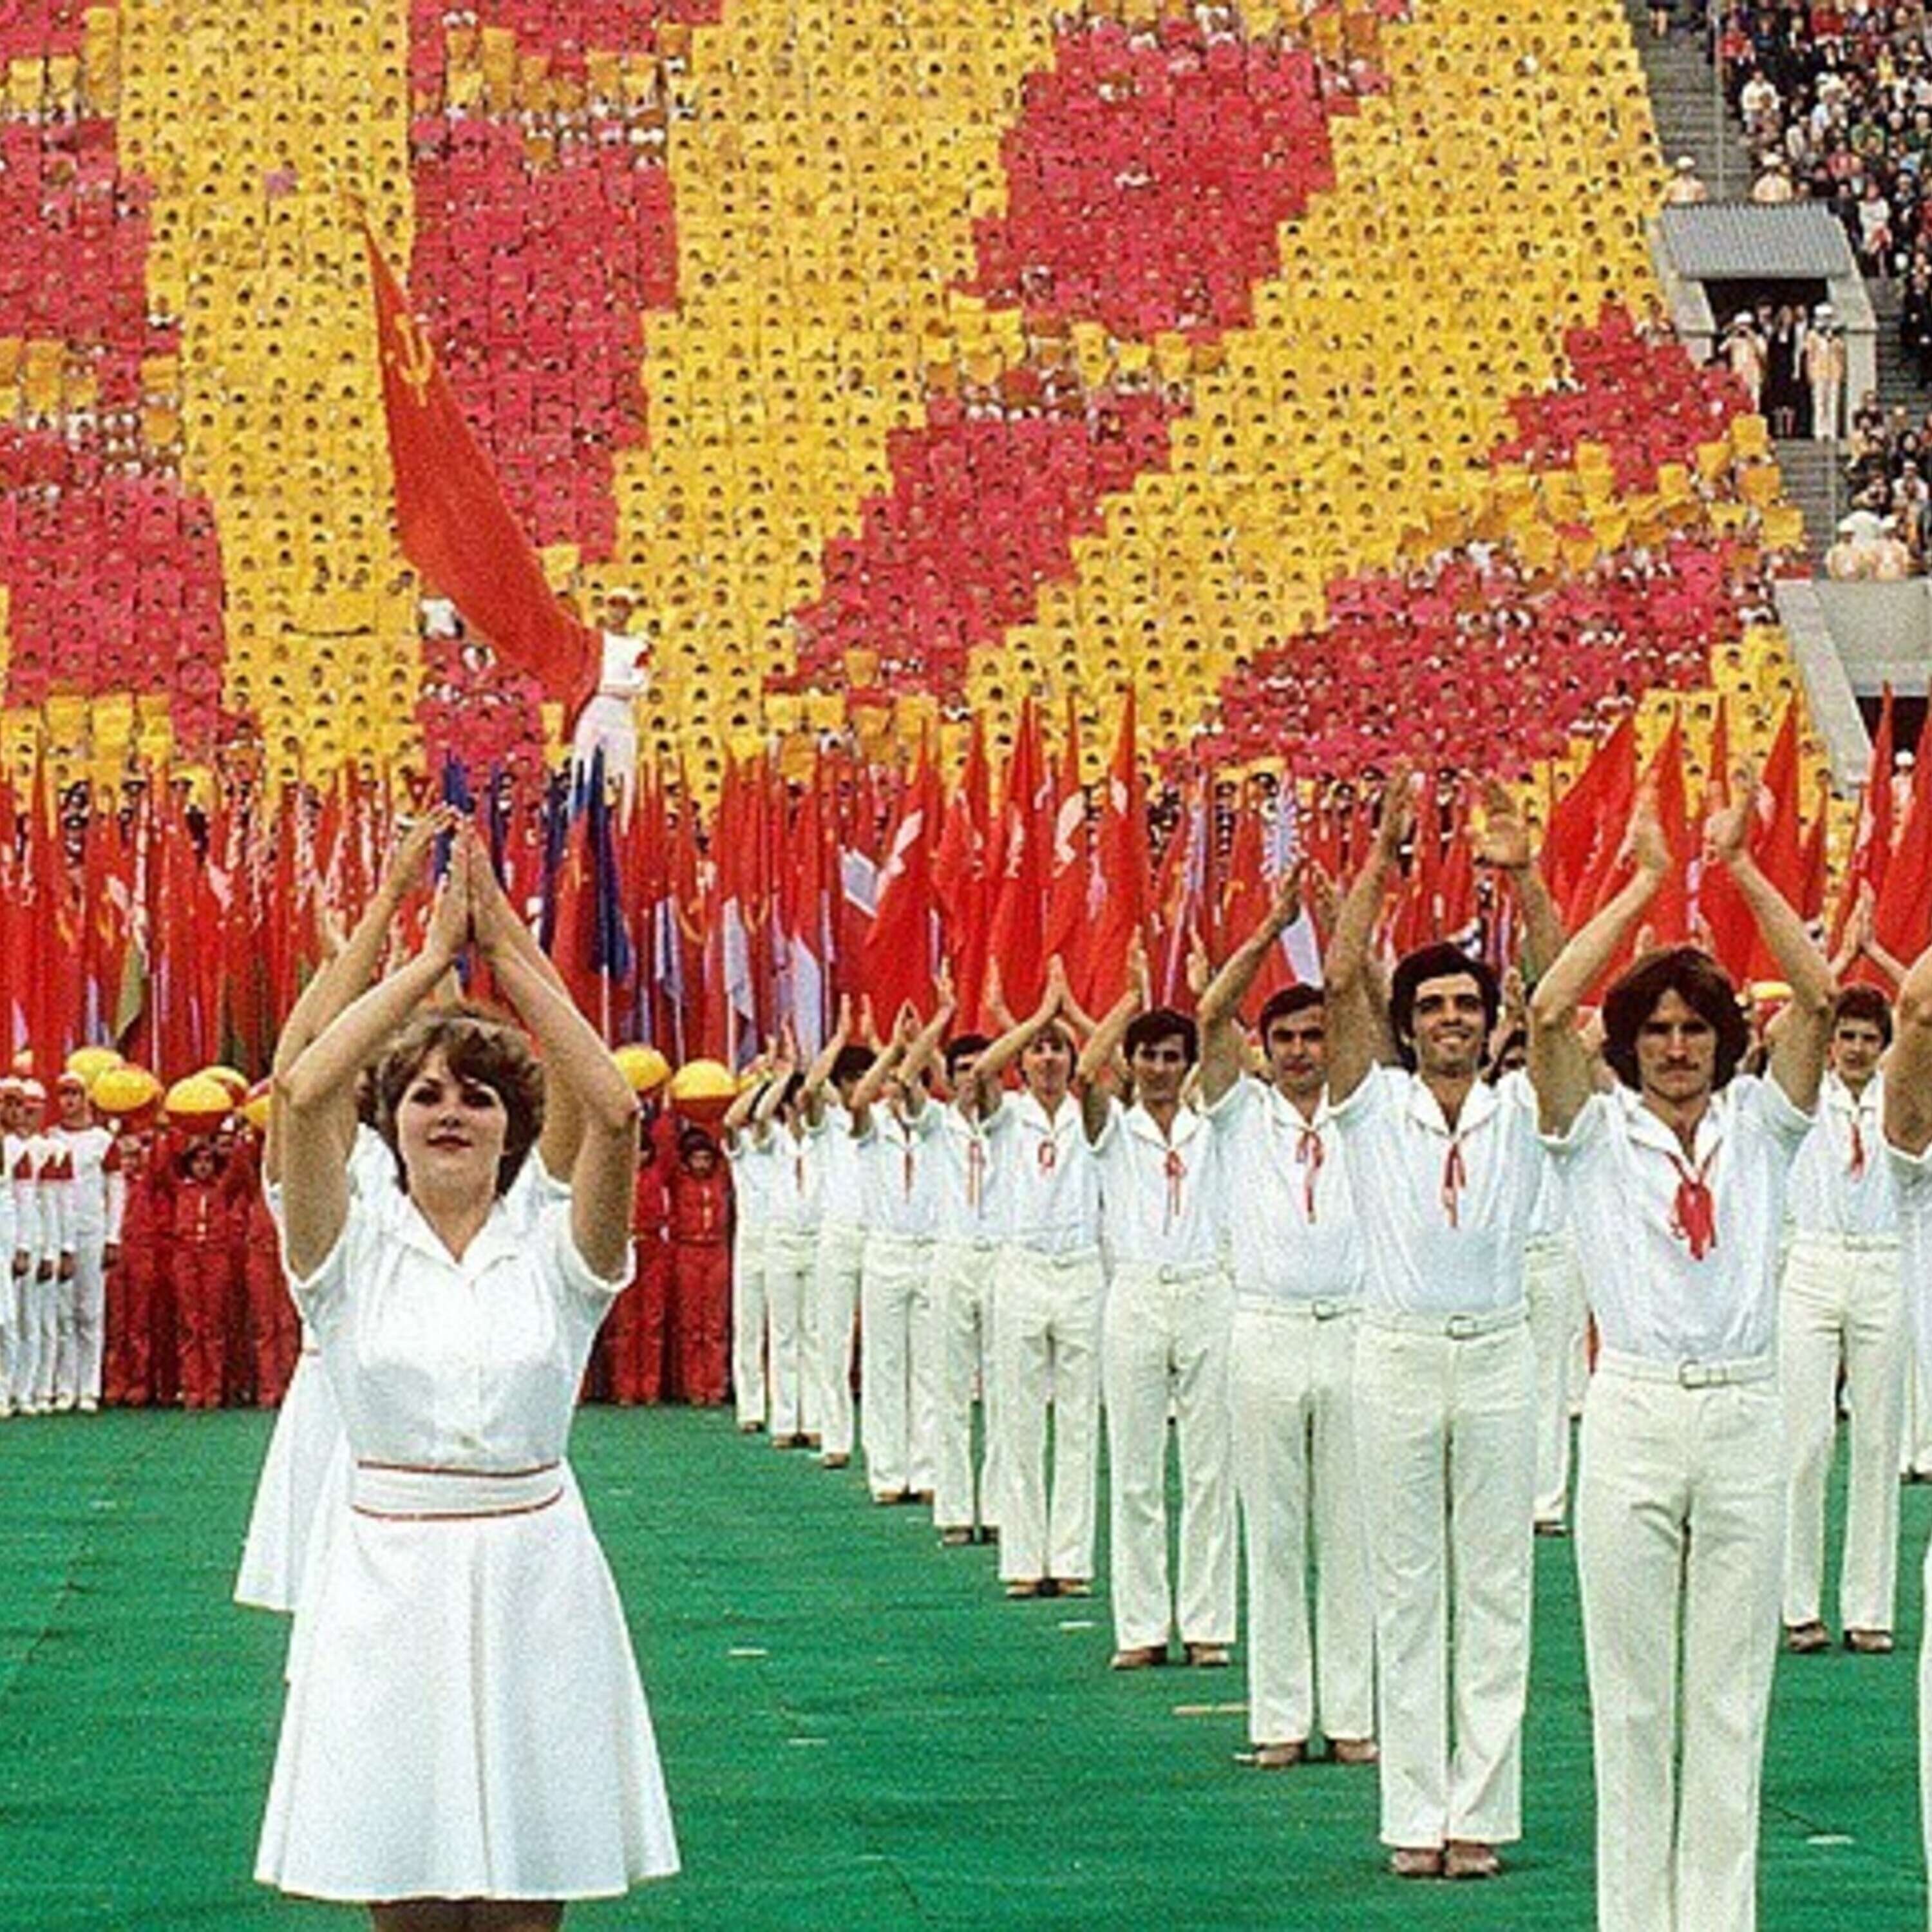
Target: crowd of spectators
[1836,104]
[1887,531]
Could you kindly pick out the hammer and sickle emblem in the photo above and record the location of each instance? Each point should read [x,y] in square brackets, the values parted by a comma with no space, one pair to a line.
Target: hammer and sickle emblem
[412,358]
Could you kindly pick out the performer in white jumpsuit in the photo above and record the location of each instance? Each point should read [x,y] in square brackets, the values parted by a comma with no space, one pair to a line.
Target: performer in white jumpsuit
[98,1197]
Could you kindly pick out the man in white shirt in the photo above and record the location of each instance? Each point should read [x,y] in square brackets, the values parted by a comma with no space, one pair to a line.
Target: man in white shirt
[1446,1167]
[896,1145]
[791,1262]
[1842,1301]
[38,1204]
[752,1153]
[98,1195]
[1297,1268]
[1050,1290]
[1676,1183]
[1908,1133]
[966,1241]
[1164,1337]
[835,1132]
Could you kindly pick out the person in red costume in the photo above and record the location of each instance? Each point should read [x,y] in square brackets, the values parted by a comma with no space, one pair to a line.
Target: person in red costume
[635,1329]
[700,1270]
[144,1281]
[202,1271]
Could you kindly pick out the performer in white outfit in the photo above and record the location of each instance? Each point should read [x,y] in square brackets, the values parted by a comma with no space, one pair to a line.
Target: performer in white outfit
[464,1721]
[898,1151]
[1908,1132]
[750,1149]
[1676,1185]
[1164,1339]
[97,1196]
[1842,1302]
[965,1492]
[1446,1169]
[1050,1287]
[835,1132]
[791,1257]
[17,1221]
[39,1202]
[1297,1268]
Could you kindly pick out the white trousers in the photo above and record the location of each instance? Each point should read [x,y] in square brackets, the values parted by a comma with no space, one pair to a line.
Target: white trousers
[1841,1302]
[791,1283]
[897,1368]
[1915,1453]
[1048,1345]
[82,1312]
[1294,1372]
[1445,1448]
[1164,1336]
[1552,1284]
[1680,1518]
[11,1342]
[963,1294]
[748,1323]
[841,1253]
[40,1334]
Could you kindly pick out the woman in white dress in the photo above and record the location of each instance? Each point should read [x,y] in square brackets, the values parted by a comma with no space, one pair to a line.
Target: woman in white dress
[465,1744]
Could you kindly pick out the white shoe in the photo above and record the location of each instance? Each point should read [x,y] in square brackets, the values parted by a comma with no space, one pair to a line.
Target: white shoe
[89,1406]
[65,1402]
[6,1406]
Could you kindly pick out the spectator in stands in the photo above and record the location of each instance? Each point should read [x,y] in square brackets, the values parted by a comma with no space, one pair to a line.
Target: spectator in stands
[1684,187]
[1785,395]
[1743,350]
[1773,185]
[1823,357]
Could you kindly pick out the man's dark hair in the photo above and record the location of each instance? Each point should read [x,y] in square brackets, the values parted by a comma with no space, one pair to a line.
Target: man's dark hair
[1700,982]
[961,1047]
[1864,1002]
[852,1062]
[1283,1005]
[1438,960]
[1161,1023]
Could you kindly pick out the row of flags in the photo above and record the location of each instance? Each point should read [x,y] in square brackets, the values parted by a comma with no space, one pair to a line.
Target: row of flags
[182,929]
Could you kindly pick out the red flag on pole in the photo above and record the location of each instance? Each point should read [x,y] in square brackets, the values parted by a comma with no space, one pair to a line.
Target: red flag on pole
[455,526]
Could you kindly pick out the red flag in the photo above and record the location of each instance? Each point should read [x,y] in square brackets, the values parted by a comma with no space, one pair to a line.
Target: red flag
[960,878]
[1124,877]
[1070,868]
[1902,919]
[1778,838]
[1727,919]
[1020,869]
[1871,843]
[899,961]
[454,525]
[1587,825]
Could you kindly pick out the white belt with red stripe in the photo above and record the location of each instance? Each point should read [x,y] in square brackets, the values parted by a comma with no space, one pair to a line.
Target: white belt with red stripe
[402,1492]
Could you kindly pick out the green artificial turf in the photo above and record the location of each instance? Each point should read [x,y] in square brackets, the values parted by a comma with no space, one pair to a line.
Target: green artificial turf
[858,1730]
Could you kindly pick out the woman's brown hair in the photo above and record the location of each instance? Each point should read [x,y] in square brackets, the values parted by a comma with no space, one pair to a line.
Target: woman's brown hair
[479,1047]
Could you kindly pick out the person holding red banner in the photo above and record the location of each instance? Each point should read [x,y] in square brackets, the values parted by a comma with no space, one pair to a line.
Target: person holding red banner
[1676,1183]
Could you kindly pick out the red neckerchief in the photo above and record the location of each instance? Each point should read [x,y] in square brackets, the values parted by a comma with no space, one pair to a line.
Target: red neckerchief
[1049,1153]
[1308,1156]
[1858,1168]
[905,1170]
[976,1172]
[1455,1178]
[1176,1170]
[1693,1214]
